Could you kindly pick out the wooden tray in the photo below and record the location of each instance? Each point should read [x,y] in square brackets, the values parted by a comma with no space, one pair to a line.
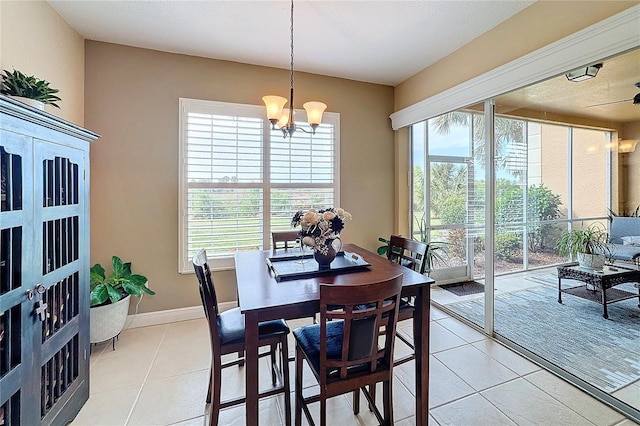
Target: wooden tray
[289,267]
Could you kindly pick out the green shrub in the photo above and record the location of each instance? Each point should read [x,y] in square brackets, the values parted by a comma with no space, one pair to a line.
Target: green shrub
[507,245]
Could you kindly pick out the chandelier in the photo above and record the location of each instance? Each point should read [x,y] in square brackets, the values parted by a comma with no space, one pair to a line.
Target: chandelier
[281,117]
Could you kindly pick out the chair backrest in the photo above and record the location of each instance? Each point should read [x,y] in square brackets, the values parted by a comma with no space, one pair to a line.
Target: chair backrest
[623,227]
[407,252]
[284,239]
[366,311]
[208,295]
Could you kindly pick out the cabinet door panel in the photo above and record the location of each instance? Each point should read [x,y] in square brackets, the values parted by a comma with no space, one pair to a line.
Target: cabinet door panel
[61,227]
[17,383]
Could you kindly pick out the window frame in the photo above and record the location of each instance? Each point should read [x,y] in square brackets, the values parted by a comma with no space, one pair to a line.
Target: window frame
[187,105]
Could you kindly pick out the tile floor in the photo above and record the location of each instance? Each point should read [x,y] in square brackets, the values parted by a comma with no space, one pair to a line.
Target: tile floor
[158,376]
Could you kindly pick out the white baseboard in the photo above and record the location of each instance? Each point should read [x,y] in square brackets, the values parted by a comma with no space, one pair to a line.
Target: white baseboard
[172,315]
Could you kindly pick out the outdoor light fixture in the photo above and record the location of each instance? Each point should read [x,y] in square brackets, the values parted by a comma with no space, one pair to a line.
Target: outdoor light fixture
[282,118]
[583,73]
[627,145]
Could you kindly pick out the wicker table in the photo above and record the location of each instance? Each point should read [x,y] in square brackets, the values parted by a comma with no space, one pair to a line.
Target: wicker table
[602,281]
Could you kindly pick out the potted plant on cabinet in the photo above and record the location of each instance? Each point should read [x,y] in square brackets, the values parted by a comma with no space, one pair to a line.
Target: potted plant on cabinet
[110,298]
[28,89]
[588,245]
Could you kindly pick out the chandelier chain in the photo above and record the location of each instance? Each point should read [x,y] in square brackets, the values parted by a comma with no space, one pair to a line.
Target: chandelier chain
[276,113]
[291,106]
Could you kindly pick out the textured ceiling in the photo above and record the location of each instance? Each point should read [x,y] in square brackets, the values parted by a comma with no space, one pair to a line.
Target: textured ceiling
[378,41]
[615,82]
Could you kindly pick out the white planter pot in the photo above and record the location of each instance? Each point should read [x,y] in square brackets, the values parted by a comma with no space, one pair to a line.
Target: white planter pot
[591,261]
[107,321]
[31,102]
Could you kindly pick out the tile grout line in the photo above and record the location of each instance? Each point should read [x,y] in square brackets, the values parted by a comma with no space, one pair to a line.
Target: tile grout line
[137,398]
[562,403]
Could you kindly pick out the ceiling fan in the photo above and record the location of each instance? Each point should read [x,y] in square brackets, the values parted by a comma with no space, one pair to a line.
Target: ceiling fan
[635,99]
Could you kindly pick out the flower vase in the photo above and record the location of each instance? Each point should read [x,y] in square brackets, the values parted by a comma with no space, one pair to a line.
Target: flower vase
[325,254]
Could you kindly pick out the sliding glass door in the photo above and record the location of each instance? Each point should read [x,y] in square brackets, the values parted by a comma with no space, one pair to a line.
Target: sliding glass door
[545,178]
[448,198]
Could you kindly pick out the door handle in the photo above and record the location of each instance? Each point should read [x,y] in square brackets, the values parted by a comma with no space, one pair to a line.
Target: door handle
[41,306]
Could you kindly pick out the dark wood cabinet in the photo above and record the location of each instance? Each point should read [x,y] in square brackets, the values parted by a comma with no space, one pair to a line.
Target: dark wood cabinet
[44,266]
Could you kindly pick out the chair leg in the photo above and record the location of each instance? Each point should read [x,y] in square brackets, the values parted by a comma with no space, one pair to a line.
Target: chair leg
[372,392]
[217,387]
[284,358]
[323,409]
[356,401]
[387,397]
[272,354]
[210,383]
[299,401]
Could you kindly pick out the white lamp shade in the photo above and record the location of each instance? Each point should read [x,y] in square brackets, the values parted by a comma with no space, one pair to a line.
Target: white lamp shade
[627,145]
[314,112]
[274,106]
[284,118]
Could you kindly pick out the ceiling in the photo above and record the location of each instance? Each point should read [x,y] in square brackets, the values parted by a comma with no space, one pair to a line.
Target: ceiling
[378,41]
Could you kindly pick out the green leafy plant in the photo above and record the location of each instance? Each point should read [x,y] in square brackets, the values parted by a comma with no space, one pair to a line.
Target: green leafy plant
[121,282]
[590,240]
[18,84]
[506,245]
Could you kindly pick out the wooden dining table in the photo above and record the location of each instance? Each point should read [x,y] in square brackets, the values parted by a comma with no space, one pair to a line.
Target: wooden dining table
[261,298]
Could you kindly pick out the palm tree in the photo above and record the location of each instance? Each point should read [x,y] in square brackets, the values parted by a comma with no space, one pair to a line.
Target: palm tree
[509,137]
[447,180]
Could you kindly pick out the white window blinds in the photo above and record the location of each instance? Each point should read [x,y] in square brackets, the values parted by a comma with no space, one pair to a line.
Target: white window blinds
[240,180]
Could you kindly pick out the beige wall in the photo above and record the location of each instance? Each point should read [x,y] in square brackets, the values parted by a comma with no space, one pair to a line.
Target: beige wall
[630,169]
[534,27]
[132,101]
[36,40]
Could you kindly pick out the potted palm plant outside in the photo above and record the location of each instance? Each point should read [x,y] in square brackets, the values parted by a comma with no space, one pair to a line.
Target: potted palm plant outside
[28,89]
[111,296]
[588,245]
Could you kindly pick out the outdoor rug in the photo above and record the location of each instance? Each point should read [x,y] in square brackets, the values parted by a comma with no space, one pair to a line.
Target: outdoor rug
[572,335]
[550,279]
[464,289]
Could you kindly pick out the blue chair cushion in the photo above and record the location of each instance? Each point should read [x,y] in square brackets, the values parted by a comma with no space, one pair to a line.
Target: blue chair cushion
[405,306]
[308,337]
[231,326]
[622,252]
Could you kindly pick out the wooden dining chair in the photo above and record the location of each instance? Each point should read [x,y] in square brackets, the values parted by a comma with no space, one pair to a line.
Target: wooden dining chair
[343,350]
[226,333]
[413,255]
[284,239]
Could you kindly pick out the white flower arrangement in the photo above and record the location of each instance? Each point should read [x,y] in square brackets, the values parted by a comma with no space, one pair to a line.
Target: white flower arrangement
[318,228]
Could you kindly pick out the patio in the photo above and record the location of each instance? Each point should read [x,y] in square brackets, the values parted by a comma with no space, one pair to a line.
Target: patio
[573,335]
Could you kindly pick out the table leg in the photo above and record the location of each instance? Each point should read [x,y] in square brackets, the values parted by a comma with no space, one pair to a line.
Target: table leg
[559,290]
[251,368]
[604,302]
[421,343]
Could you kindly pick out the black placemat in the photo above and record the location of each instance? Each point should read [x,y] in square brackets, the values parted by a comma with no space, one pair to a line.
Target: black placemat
[291,268]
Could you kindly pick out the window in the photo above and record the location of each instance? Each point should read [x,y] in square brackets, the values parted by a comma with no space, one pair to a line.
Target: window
[546,176]
[239,180]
